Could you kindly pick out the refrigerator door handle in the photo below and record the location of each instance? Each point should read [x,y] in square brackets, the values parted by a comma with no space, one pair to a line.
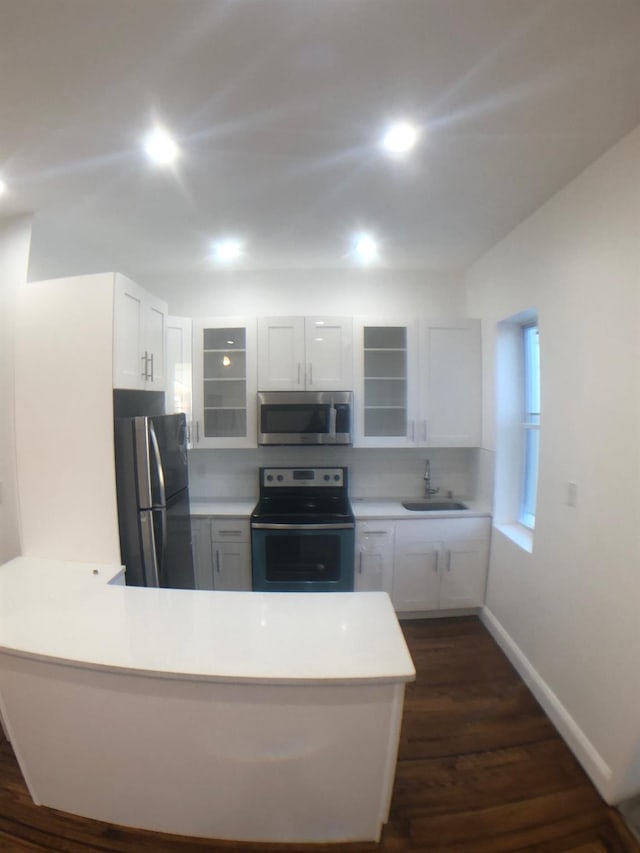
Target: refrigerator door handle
[163,550]
[141,453]
[148,548]
[157,460]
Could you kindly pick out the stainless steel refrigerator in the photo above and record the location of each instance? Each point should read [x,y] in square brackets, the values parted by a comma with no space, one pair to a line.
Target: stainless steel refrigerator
[153,501]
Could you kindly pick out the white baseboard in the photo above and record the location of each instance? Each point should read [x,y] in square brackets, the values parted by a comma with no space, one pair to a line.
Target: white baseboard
[594,765]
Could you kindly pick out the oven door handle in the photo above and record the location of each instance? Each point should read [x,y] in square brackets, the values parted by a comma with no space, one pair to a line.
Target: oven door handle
[259,526]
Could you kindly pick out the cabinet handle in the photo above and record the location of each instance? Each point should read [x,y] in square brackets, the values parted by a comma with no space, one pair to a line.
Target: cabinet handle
[374,532]
[144,358]
[230,532]
[360,564]
[424,429]
[151,372]
[449,560]
[299,366]
[310,374]
[188,432]
[197,432]
[437,563]
[413,431]
[217,561]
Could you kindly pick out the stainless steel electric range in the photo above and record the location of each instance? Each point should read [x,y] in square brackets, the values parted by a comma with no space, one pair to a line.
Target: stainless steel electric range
[303,531]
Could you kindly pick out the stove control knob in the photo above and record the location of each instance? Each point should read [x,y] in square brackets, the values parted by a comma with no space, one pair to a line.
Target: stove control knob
[269,477]
[280,478]
[327,477]
[336,477]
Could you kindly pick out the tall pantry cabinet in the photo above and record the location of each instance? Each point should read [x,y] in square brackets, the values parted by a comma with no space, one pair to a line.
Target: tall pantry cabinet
[64,379]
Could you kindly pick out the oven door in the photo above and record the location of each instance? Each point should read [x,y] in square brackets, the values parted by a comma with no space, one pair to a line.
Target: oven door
[302,557]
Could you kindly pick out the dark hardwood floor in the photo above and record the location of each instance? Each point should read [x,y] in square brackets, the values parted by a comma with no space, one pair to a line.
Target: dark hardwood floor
[480,770]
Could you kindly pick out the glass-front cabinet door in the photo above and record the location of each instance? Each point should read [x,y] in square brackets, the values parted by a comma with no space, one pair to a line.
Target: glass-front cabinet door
[386,390]
[225,385]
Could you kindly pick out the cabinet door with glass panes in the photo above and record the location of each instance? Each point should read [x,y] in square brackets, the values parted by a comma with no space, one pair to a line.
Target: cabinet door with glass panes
[224,383]
[386,383]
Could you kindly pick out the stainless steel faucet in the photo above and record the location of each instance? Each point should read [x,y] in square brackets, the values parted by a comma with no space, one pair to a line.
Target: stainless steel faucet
[428,491]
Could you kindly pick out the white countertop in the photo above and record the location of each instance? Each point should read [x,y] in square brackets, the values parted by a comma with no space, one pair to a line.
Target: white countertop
[67,612]
[233,507]
[391,508]
[363,508]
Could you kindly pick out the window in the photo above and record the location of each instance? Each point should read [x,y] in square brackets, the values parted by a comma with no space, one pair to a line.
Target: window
[530,424]
[517,427]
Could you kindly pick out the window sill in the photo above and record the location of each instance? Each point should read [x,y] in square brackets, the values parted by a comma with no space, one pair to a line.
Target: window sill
[518,534]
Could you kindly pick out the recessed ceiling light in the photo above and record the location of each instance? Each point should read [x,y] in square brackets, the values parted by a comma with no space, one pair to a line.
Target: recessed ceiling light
[160,147]
[365,248]
[228,250]
[400,138]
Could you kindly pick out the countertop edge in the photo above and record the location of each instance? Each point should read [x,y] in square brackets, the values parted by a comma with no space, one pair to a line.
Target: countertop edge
[364,509]
[172,675]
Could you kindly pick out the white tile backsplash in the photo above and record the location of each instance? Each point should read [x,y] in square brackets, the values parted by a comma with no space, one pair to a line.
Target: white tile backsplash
[374,473]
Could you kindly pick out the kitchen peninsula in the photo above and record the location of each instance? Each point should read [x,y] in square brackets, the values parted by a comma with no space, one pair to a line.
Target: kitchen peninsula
[247,716]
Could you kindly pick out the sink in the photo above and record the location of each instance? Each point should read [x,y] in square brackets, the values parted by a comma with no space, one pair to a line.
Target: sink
[428,505]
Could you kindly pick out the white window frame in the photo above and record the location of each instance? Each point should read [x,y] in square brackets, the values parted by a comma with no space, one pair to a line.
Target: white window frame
[530,425]
[512,516]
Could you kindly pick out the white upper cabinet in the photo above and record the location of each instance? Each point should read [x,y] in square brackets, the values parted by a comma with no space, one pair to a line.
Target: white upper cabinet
[305,353]
[418,383]
[139,324]
[450,384]
[178,397]
[386,392]
[224,383]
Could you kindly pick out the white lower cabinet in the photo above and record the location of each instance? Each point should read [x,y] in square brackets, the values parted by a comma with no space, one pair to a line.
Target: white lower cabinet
[201,548]
[221,553]
[231,553]
[440,564]
[374,557]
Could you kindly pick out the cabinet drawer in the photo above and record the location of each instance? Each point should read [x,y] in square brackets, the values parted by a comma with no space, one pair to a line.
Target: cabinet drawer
[230,530]
[375,528]
[371,535]
[437,529]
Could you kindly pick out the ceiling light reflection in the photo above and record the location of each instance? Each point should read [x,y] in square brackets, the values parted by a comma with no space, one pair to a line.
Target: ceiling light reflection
[160,147]
[400,138]
[228,250]
[365,248]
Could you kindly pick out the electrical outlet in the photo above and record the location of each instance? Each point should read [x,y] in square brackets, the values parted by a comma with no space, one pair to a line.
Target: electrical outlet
[572,493]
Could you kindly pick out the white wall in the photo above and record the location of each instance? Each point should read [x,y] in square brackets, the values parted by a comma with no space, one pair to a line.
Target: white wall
[15,236]
[361,291]
[570,611]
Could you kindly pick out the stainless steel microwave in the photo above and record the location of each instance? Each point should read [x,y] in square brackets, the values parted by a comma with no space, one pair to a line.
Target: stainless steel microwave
[304,417]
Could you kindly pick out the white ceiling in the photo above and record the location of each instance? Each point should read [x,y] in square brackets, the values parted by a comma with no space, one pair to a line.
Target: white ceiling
[278,106]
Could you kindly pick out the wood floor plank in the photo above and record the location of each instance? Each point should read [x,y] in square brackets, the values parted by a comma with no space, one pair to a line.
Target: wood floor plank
[481,770]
